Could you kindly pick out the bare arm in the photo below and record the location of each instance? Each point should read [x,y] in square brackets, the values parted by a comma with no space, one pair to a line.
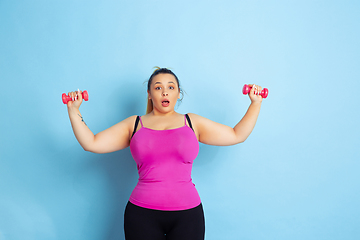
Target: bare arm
[213,133]
[112,139]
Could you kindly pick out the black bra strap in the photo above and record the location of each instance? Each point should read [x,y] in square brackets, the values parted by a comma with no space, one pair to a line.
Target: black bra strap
[135,126]
[188,119]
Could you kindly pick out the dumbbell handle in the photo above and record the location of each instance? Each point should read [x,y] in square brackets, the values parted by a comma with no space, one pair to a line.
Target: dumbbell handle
[66,98]
[264,93]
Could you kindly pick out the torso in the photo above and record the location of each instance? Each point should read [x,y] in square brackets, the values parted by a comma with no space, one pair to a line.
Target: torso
[164,160]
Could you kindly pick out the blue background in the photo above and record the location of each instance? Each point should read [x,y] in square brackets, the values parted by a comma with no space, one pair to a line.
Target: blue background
[297,175]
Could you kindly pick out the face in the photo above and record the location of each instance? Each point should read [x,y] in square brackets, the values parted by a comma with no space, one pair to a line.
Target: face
[164,92]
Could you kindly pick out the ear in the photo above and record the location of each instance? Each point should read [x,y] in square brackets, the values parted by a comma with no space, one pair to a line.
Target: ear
[149,97]
[179,94]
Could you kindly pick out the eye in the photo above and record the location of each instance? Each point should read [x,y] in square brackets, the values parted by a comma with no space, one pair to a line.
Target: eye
[171,87]
[157,88]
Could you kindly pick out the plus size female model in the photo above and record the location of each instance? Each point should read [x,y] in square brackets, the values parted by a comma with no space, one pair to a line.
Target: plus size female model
[165,204]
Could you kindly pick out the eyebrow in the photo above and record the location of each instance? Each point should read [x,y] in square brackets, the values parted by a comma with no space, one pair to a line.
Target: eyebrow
[161,83]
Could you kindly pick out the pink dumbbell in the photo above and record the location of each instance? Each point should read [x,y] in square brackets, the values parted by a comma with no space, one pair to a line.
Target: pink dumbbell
[264,93]
[66,98]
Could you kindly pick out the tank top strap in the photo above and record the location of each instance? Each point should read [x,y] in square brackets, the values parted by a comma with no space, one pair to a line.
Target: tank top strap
[141,121]
[189,121]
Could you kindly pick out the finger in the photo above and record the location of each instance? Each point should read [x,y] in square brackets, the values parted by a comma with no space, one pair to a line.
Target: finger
[79,94]
[254,89]
[72,95]
[76,95]
[251,85]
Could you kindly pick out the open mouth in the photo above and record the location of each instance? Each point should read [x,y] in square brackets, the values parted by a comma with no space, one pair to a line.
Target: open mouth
[165,103]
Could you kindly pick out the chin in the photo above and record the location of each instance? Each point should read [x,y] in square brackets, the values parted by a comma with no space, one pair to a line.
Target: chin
[165,110]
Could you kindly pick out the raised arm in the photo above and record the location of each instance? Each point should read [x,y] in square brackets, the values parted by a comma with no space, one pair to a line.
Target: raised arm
[112,139]
[213,133]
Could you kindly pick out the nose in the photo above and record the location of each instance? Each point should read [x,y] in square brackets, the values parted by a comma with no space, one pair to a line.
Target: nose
[164,93]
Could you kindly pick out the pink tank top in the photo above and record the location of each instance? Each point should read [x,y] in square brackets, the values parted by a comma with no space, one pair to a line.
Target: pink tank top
[164,161]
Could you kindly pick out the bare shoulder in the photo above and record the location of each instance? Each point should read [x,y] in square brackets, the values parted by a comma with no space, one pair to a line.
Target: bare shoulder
[127,123]
[198,122]
[125,127]
[130,119]
[210,132]
[194,116]
[115,137]
[197,119]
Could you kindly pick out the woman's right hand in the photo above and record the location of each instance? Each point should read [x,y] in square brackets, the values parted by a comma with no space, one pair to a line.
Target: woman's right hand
[76,97]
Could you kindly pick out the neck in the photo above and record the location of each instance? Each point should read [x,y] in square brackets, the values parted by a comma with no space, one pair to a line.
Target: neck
[158,113]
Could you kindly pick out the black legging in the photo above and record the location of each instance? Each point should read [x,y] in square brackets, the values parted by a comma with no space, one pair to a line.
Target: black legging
[148,224]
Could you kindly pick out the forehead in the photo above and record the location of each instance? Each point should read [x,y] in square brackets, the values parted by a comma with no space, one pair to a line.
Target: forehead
[163,78]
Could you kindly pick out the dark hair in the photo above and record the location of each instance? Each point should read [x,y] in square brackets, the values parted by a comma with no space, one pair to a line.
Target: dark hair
[157,72]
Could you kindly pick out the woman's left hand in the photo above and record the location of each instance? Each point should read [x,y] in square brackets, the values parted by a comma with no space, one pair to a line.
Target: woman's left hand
[254,93]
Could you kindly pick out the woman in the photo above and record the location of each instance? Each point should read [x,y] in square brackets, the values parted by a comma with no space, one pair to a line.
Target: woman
[164,143]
